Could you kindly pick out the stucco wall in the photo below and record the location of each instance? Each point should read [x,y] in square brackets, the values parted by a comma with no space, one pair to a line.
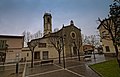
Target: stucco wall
[15,44]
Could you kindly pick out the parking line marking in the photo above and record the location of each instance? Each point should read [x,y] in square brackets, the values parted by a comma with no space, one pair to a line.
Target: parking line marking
[74,73]
[70,70]
[58,66]
[74,66]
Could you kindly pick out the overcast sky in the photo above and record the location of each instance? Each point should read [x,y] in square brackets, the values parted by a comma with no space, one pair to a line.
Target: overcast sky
[17,16]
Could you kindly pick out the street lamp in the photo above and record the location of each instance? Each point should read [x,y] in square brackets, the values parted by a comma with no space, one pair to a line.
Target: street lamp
[63,51]
[78,48]
[17,62]
[94,53]
[62,40]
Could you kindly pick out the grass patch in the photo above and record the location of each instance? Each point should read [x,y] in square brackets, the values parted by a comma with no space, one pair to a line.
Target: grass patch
[107,68]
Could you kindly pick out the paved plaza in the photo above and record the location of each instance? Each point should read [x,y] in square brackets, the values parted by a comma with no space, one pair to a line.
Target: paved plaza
[73,68]
[10,70]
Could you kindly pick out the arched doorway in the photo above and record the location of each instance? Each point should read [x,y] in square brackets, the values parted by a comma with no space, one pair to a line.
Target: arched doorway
[74,49]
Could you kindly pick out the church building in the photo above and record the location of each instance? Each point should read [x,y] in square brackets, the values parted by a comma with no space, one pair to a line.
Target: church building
[68,40]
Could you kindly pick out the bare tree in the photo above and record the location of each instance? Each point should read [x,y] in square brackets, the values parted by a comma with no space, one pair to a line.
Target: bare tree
[32,46]
[117,1]
[56,42]
[93,41]
[86,40]
[26,35]
[112,25]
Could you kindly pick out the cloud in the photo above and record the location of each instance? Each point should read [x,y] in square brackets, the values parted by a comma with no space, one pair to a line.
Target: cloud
[19,15]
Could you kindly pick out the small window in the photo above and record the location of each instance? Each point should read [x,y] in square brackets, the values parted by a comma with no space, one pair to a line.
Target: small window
[42,45]
[48,20]
[107,48]
[10,51]
[3,44]
[45,55]
[73,35]
[103,33]
[27,54]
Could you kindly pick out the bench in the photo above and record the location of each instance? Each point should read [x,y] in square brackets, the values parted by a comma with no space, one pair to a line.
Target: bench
[46,61]
[87,57]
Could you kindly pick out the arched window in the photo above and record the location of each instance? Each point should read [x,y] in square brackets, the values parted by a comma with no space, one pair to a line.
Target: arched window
[48,20]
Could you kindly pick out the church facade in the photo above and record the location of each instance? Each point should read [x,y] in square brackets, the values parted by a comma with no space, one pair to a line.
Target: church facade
[68,40]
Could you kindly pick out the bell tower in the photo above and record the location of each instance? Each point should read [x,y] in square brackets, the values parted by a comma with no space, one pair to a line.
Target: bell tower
[47,23]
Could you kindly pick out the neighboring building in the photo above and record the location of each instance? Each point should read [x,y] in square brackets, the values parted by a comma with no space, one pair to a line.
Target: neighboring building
[88,49]
[107,44]
[71,38]
[12,46]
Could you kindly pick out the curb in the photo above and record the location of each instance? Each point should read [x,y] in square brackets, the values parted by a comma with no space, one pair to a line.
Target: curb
[95,71]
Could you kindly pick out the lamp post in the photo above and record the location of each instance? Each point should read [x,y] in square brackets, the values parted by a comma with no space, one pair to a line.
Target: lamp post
[63,51]
[17,63]
[79,46]
[78,55]
[93,52]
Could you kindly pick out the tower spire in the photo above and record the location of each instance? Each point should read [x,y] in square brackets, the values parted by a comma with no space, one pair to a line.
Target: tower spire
[47,23]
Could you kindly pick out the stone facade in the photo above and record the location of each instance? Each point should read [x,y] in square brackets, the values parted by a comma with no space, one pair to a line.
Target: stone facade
[72,42]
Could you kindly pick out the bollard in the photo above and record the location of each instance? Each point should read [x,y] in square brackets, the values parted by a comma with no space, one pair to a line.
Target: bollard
[17,68]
